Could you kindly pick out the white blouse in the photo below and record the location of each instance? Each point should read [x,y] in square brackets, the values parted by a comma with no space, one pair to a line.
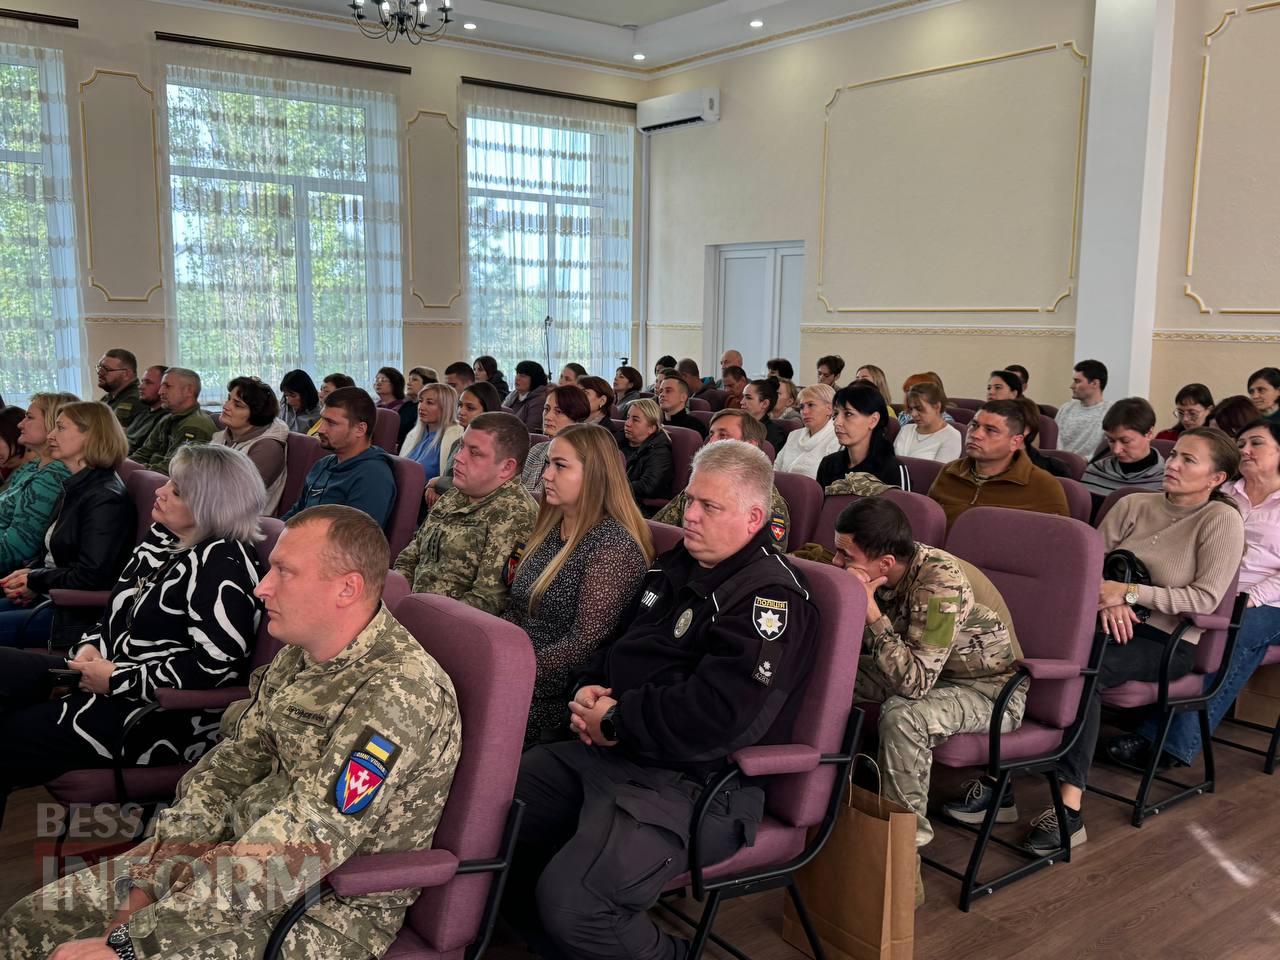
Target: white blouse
[944,445]
[803,452]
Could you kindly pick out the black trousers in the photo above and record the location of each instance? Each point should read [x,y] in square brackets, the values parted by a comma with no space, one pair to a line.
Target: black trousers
[1139,659]
[601,838]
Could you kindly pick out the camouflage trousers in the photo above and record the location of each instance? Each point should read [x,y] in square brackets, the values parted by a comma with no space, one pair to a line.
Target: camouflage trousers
[910,729]
[81,906]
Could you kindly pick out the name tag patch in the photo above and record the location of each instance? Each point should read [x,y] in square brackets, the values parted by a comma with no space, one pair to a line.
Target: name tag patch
[364,772]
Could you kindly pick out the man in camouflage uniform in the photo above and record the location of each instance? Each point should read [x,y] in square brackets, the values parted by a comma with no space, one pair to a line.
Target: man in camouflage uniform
[938,647]
[184,423]
[347,745]
[118,375]
[470,544]
[149,412]
[737,425]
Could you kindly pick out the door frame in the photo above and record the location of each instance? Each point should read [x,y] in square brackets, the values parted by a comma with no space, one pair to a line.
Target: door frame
[712,329]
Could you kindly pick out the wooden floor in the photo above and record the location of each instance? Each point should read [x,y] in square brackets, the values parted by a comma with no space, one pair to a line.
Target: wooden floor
[1199,881]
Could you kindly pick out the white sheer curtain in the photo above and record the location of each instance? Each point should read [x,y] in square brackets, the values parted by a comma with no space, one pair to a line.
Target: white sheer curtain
[548,228]
[42,339]
[285,217]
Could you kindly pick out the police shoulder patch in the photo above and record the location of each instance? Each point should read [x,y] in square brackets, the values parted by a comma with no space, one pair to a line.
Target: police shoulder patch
[364,772]
[769,617]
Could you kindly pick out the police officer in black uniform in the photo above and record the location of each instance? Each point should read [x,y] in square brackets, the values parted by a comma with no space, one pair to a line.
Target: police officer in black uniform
[721,636]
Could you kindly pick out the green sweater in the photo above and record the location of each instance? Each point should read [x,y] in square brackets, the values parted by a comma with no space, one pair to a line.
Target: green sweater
[26,510]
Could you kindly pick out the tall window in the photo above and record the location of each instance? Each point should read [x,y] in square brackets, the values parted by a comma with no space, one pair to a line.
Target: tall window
[41,337]
[548,229]
[286,235]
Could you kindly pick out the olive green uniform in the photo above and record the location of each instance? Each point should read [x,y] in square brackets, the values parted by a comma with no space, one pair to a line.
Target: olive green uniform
[126,404]
[173,431]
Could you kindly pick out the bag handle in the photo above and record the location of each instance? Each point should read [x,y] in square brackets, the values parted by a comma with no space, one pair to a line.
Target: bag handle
[879,781]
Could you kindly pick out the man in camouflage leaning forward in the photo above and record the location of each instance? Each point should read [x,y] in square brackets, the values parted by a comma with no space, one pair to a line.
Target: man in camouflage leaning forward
[938,648]
[347,745]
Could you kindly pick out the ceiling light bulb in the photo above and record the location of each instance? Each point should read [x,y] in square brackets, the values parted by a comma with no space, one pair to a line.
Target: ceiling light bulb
[756,24]
[468,26]
[637,56]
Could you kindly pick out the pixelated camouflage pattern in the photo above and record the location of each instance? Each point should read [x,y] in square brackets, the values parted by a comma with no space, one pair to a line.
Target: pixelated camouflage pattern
[673,514]
[857,484]
[172,433]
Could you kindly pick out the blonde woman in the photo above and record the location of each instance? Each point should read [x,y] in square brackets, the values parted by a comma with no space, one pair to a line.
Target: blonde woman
[432,438]
[805,448]
[650,470]
[28,500]
[873,374]
[788,407]
[581,568]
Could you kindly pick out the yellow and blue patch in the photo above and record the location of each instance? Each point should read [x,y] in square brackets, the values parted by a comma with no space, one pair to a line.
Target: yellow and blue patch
[363,773]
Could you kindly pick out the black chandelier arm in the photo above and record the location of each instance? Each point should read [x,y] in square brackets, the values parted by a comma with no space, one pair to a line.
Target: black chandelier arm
[402,22]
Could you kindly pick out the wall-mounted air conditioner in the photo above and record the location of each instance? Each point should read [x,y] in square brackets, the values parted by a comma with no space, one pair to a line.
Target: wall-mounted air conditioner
[684,109]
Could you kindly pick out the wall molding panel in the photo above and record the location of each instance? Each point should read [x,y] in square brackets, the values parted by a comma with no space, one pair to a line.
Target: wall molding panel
[958,330]
[434,209]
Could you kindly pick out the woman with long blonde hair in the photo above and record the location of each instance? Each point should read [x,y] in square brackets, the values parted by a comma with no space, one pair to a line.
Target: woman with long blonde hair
[581,567]
[436,430]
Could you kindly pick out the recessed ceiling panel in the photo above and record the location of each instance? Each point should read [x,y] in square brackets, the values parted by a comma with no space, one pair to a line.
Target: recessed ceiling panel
[616,13]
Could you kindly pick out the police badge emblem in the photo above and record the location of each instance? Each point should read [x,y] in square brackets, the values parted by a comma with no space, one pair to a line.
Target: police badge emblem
[769,617]
[682,623]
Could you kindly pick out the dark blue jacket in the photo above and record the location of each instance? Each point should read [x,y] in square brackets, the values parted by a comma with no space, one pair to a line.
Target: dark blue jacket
[365,482]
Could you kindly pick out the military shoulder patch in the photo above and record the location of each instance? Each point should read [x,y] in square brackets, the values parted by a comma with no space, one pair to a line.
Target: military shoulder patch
[513,561]
[778,528]
[769,617]
[364,772]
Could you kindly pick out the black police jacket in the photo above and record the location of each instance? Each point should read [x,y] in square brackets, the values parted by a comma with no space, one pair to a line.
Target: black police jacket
[712,659]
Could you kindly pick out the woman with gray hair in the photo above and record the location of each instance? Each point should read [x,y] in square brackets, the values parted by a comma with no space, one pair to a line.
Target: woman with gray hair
[182,615]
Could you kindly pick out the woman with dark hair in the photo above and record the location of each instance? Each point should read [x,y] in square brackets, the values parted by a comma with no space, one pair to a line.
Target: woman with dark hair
[860,415]
[665,362]
[12,453]
[334,381]
[627,384]
[1233,414]
[475,399]
[566,404]
[249,425]
[486,371]
[301,408]
[526,400]
[1031,417]
[388,387]
[1264,391]
[1192,406]
[572,373]
[1004,385]
[759,399]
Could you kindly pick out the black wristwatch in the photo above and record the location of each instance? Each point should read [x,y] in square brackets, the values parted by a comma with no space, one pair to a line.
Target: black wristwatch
[118,940]
[609,725]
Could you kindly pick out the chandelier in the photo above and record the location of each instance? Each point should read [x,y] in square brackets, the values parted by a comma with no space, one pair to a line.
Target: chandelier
[411,19]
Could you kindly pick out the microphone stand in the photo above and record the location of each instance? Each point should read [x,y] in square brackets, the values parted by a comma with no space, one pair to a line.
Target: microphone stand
[546,330]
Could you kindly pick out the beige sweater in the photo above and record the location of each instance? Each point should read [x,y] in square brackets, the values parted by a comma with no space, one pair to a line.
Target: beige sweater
[1192,553]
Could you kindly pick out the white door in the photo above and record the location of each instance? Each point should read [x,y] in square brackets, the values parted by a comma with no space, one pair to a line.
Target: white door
[755,304]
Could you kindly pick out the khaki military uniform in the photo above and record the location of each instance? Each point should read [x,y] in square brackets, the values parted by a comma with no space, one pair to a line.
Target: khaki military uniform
[173,431]
[937,659]
[144,421]
[323,762]
[469,551]
[779,522]
[126,404]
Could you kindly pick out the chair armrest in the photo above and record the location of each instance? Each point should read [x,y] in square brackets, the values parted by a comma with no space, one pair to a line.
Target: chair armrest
[1050,669]
[384,872]
[776,759]
[1210,621]
[173,699]
[62,597]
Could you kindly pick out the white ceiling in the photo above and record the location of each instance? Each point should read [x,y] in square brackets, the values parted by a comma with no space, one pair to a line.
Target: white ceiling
[667,31]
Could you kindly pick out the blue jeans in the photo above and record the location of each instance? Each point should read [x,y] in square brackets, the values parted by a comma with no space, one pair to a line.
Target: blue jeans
[1259,629]
[12,617]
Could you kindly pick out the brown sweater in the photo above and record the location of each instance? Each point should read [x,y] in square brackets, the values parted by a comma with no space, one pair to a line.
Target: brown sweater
[1024,486]
[1192,553]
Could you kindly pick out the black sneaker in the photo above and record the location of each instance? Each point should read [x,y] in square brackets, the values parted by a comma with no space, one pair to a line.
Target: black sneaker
[1045,836]
[1133,750]
[977,797]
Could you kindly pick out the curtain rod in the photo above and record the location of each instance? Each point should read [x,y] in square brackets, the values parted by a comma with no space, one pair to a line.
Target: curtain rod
[280,52]
[518,88]
[44,18]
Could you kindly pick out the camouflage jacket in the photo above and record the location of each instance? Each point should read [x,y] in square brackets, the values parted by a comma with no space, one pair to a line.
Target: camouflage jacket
[932,627]
[324,761]
[126,404]
[779,522]
[469,551]
[173,431]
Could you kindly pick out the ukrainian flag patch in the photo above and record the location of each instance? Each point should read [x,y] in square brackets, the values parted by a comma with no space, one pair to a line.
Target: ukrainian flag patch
[363,773]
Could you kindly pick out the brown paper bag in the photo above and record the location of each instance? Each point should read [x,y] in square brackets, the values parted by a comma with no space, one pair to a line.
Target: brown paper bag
[860,890]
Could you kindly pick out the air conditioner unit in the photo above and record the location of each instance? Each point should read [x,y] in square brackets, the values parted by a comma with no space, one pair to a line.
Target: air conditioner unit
[678,110]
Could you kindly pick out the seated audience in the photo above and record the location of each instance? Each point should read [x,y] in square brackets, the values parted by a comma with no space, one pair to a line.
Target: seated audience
[1233,414]
[859,422]
[459,375]
[1024,375]
[805,448]
[650,471]
[388,388]
[92,532]
[780,368]
[118,376]
[12,453]
[600,400]
[730,358]
[1264,391]
[1257,494]
[436,431]
[565,404]
[34,488]
[356,473]
[873,374]
[526,400]
[665,362]
[995,471]
[197,566]
[249,425]
[1191,538]
[300,407]
[829,369]
[351,694]
[928,436]
[475,399]
[334,381]
[414,381]
[1129,427]
[788,401]
[688,372]
[665,706]
[735,382]
[1004,385]
[1080,418]
[1031,414]
[673,399]
[572,373]
[581,567]
[737,425]
[627,385]
[183,423]
[472,539]
[150,410]
[1192,406]
[929,376]
[760,399]
[486,369]
[938,648]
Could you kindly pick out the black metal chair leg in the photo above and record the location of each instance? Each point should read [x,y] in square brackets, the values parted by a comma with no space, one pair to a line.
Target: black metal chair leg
[814,943]
[1060,811]
[1206,747]
[1269,764]
[1149,774]
[980,845]
[699,941]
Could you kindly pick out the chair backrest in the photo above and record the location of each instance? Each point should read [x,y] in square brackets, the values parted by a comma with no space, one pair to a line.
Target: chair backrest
[927,518]
[1048,409]
[1079,500]
[1164,446]
[715,399]
[386,430]
[804,503]
[537,438]
[1048,432]
[921,472]
[703,415]
[961,416]
[1112,498]
[410,482]
[665,536]
[141,485]
[265,647]
[1072,461]
[126,469]
[492,666]
[800,801]
[684,446]
[697,403]
[891,428]
[216,417]
[786,426]
[769,452]
[300,454]
[1213,641]
[969,403]
[1048,570]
